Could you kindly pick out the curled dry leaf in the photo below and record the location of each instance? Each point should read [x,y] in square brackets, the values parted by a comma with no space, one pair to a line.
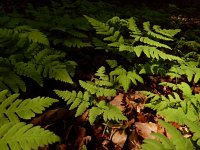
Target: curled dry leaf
[119,138]
[145,129]
[133,142]
[117,101]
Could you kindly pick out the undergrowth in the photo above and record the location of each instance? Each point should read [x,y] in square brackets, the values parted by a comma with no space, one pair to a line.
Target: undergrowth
[38,46]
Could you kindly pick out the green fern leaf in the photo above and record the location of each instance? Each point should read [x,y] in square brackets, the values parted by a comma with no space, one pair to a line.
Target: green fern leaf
[21,136]
[194,127]
[82,108]
[93,113]
[146,26]
[112,63]
[89,86]
[133,27]
[177,138]
[38,37]
[150,144]
[109,112]
[101,28]
[151,42]
[169,32]
[28,70]
[12,108]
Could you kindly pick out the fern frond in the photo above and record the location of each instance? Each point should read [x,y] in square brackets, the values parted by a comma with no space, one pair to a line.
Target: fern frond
[125,78]
[176,138]
[49,65]
[150,52]
[154,67]
[112,63]
[176,141]
[36,36]
[108,111]
[28,70]
[99,91]
[169,32]
[146,26]
[75,42]
[11,108]
[101,28]
[151,42]
[77,100]
[21,136]
[190,69]
[133,27]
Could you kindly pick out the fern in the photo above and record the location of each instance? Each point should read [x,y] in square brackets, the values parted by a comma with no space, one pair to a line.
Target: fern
[146,26]
[190,69]
[176,141]
[80,100]
[126,77]
[108,111]
[183,110]
[11,108]
[21,136]
[114,34]
[99,88]
[166,32]
[30,59]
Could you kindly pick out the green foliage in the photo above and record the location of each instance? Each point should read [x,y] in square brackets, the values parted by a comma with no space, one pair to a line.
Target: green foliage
[19,136]
[27,57]
[176,141]
[190,69]
[12,109]
[126,77]
[78,100]
[137,42]
[99,88]
[182,109]
[109,112]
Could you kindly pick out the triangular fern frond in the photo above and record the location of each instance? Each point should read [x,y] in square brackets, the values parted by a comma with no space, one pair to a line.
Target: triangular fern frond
[19,136]
[78,100]
[99,91]
[133,27]
[101,28]
[176,138]
[146,26]
[49,65]
[125,78]
[190,69]
[150,52]
[11,108]
[175,142]
[170,32]
[108,111]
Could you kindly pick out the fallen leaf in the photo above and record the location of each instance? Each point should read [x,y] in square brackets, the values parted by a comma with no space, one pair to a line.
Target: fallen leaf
[119,138]
[133,142]
[145,129]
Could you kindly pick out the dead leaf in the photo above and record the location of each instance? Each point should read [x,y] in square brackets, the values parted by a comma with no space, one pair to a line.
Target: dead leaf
[145,129]
[133,142]
[119,137]
[117,101]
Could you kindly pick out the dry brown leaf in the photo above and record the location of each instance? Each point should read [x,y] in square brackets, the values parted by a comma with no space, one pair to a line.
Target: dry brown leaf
[117,101]
[119,137]
[133,142]
[145,129]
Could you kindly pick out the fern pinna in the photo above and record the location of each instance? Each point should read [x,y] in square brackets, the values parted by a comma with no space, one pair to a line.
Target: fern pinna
[17,135]
[27,53]
[182,109]
[175,142]
[138,41]
[94,98]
